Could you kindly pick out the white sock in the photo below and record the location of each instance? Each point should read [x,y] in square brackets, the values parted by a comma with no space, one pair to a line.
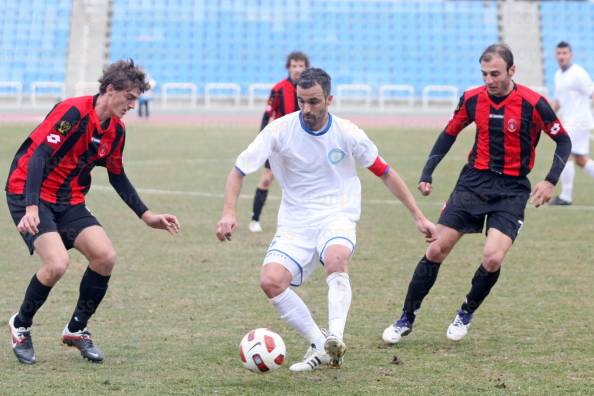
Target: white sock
[567,177]
[589,168]
[339,302]
[293,310]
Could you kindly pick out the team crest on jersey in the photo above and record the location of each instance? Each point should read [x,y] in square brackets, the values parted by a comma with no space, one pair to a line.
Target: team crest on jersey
[512,125]
[63,127]
[103,150]
[336,155]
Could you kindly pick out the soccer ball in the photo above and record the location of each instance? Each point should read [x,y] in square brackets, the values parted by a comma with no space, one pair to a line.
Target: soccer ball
[262,350]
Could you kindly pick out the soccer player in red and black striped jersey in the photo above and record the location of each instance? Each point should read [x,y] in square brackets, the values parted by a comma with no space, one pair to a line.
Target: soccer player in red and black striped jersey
[282,101]
[492,186]
[48,180]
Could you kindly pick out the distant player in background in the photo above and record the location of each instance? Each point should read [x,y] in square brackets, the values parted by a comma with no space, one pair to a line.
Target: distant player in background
[314,156]
[493,187]
[282,101]
[145,98]
[47,183]
[574,92]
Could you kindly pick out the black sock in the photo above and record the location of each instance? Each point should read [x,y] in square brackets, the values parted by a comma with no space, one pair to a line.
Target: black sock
[35,296]
[422,281]
[92,290]
[482,282]
[259,201]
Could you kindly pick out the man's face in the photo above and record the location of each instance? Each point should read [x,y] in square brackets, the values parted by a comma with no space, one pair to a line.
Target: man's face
[564,57]
[119,102]
[296,67]
[314,106]
[497,78]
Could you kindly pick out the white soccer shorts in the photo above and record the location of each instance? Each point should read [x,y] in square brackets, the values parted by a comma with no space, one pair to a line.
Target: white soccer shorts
[299,250]
[580,142]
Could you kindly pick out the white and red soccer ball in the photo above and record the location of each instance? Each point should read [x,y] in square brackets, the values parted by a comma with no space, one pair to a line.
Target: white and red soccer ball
[262,350]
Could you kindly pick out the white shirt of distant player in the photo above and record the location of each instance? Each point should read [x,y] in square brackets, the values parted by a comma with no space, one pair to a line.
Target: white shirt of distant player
[574,89]
[316,170]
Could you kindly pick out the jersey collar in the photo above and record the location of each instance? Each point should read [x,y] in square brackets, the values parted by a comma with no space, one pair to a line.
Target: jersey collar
[312,132]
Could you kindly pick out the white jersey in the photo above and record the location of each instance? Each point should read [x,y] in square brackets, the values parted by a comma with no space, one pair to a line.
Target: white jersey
[573,91]
[316,170]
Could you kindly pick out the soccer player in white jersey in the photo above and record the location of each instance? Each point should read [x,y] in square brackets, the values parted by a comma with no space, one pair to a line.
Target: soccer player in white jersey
[313,155]
[574,91]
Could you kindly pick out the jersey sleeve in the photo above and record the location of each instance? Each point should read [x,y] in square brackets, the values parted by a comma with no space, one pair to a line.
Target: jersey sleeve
[115,161]
[549,122]
[553,127]
[459,120]
[364,150]
[256,154]
[57,126]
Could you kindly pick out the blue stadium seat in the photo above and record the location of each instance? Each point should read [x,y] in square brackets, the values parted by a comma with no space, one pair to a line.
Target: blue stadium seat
[34,40]
[244,42]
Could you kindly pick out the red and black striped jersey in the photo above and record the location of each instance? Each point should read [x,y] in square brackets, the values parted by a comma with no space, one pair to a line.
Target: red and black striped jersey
[507,132]
[69,142]
[282,101]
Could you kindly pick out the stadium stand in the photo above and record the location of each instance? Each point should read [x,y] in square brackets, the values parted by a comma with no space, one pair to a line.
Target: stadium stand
[378,43]
[34,40]
[419,43]
[570,21]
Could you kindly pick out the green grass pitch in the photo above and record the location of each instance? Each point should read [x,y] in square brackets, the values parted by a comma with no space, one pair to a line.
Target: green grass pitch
[177,307]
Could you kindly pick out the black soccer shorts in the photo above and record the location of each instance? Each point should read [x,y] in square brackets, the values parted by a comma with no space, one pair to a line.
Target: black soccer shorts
[484,197]
[67,220]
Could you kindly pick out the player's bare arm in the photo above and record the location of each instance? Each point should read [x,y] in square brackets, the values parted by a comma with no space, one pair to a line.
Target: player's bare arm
[228,222]
[397,187]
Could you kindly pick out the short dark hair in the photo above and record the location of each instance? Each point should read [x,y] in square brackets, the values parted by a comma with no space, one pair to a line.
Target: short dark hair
[564,44]
[313,76]
[498,49]
[297,56]
[123,75]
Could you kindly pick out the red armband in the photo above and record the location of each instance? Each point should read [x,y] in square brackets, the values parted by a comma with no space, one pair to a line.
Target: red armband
[379,167]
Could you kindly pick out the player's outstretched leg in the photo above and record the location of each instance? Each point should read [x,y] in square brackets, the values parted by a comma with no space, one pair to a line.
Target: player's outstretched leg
[482,283]
[339,302]
[485,277]
[567,177]
[260,198]
[274,281]
[421,283]
[97,248]
[93,288]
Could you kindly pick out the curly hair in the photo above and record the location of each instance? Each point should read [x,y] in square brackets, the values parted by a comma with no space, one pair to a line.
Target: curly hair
[123,75]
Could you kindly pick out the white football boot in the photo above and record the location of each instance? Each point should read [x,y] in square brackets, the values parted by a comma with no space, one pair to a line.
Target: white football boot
[394,333]
[459,327]
[335,348]
[255,226]
[312,360]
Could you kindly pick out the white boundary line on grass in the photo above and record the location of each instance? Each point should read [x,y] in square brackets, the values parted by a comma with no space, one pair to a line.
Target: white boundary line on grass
[276,198]
[231,160]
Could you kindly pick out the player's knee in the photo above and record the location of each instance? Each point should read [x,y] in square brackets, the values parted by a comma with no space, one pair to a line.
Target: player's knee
[104,262]
[492,260]
[336,263]
[56,266]
[273,282]
[266,181]
[437,252]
